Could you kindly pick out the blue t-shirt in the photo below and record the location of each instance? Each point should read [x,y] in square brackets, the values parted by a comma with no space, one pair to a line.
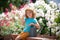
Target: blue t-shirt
[27,22]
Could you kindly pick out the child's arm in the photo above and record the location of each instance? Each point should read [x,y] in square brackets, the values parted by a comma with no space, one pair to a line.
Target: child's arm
[36,25]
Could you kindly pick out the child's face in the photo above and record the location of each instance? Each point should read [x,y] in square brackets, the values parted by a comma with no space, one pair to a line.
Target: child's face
[29,14]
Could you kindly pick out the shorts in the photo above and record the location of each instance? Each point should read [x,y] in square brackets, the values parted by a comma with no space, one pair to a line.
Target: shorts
[24,35]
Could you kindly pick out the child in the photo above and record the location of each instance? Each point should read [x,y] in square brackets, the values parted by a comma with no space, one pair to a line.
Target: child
[29,22]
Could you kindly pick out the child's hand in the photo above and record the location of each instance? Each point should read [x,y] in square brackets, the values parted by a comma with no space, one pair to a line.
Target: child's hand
[32,24]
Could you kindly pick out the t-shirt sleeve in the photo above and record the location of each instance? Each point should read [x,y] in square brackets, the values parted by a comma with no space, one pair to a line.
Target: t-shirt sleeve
[35,21]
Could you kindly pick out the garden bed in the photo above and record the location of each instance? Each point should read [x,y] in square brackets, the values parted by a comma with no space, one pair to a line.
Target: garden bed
[13,36]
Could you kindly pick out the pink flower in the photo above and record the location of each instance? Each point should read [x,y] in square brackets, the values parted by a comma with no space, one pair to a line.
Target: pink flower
[22,6]
[1,22]
[11,19]
[30,1]
[10,4]
[7,24]
[6,11]
[13,11]
[4,22]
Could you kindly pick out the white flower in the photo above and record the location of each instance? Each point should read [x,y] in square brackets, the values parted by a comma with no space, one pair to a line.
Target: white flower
[16,11]
[47,15]
[3,15]
[58,33]
[16,18]
[20,14]
[49,24]
[23,10]
[40,12]
[53,30]
[39,2]
[57,28]
[47,7]
[38,15]
[40,20]
[47,18]
[52,12]
[59,6]
[53,5]
[54,24]
[57,12]
[7,18]
[31,5]
[52,18]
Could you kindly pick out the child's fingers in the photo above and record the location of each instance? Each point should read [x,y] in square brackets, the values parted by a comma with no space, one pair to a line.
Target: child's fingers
[31,24]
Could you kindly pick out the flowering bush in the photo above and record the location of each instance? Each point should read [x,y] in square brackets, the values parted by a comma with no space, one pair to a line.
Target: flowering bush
[10,23]
[46,14]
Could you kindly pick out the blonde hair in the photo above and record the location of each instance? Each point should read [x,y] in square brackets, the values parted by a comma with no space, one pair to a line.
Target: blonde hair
[33,13]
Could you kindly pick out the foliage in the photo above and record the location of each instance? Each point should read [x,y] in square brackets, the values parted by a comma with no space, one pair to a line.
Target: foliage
[11,30]
[47,15]
[57,20]
[10,24]
[5,4]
